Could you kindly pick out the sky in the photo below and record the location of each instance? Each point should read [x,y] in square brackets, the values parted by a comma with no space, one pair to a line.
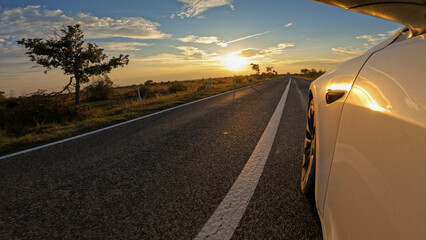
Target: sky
[171,40]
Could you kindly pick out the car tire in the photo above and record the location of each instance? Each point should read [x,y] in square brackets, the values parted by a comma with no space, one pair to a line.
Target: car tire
[307,180]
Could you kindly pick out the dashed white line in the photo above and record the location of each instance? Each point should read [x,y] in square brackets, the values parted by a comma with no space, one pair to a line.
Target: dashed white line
[227,216]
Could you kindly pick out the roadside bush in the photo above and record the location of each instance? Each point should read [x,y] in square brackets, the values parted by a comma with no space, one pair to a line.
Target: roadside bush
[160,91]
[201,88]
[2,96]
[146,91]
[19,114]
[219,81]
[239,80]
[149,83]
[177,87]
[100,89]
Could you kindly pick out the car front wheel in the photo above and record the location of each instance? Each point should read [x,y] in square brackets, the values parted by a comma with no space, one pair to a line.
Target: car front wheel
[307,181]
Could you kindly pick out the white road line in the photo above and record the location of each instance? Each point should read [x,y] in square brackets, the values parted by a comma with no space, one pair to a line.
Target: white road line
[225,219]
[120,124]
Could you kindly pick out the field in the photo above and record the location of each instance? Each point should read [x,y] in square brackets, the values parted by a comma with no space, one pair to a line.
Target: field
[30,121]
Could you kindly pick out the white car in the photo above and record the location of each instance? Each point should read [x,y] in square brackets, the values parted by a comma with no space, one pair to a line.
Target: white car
[365,147]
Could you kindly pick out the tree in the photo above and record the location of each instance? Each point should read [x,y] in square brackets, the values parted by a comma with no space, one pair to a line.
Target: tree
[68,52]
[269,69]
[2,96]
[255,67]
[304,71]
[149,83]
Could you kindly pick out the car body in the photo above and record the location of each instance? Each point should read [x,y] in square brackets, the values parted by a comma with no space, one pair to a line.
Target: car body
[368,163]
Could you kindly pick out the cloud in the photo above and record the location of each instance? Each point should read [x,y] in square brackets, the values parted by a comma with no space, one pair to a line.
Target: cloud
[392,32]
[197,39]
[194,8]
[193,53]
[376,38]
[253,52]
[373,38]
[288,25]
[123,46]
[188,53]
[204,40]
[247,37]
[37,21]
[196,54]
[213,39]
[347,51]
[9,50]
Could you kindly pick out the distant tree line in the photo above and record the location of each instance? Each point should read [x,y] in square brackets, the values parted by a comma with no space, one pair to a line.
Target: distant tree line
[312,73]
[270,72]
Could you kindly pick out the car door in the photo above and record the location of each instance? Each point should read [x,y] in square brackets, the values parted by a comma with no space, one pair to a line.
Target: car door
[377,185]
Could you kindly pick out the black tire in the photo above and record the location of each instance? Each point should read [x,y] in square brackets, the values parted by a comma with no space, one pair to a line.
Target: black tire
[307,180]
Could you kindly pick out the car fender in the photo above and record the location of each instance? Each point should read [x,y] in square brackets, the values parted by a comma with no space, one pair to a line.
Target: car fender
[340,78]
[327,119]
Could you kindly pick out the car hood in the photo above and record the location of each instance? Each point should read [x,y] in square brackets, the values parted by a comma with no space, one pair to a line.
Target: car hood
[411,13]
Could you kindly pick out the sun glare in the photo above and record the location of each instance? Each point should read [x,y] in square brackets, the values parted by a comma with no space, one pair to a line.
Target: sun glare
[234,63]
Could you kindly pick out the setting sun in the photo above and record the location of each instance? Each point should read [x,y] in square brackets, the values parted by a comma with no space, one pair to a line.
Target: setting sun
[234,63]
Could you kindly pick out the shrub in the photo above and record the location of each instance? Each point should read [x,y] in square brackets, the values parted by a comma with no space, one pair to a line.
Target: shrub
[2,96]
[39,108]
[239,80]
[201,88]
[146,91]
[100,89]
[149,83]
[177,87]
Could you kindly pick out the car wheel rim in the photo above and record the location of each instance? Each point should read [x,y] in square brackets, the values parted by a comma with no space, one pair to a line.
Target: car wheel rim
[310,148]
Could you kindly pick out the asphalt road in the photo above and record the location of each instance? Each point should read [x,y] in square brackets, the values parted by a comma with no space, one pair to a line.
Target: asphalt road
[162,177]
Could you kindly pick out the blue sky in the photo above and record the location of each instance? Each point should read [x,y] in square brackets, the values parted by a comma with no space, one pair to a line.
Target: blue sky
[188,39]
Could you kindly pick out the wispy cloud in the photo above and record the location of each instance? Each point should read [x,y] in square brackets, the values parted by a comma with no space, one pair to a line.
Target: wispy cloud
[288,25]
[347,51]
[193,53]
[254,52]
[213,39]
[247,37]
[204,40]
[194,8]
[373,38]
[376,38]
[123,46]
[36,21]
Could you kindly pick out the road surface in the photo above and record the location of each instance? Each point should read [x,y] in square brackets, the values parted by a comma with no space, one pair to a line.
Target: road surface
[166,176]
